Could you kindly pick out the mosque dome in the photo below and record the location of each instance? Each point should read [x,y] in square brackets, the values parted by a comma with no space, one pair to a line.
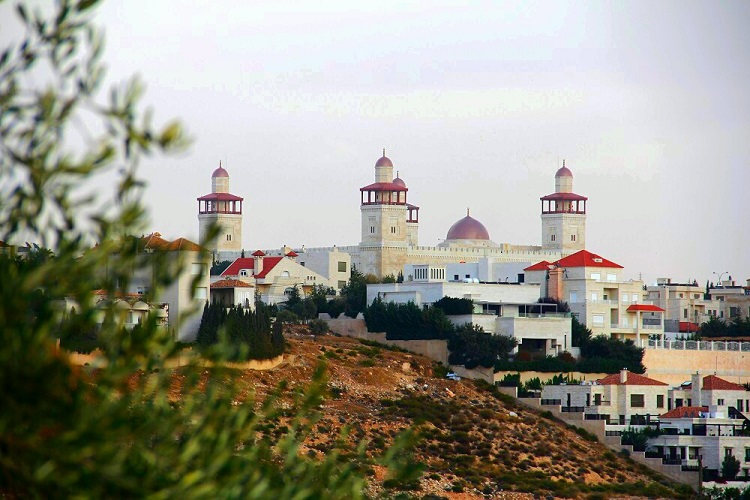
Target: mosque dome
[564,171]
[384,161]
[468,228]
[220,172]
[399,181]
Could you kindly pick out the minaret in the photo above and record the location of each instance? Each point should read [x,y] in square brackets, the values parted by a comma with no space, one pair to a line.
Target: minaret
[224,209]
[384,222]
[564,216]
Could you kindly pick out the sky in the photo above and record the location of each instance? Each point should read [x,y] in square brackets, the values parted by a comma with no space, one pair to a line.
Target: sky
[476,104]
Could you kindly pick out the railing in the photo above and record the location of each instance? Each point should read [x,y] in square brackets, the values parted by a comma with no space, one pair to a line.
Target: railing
[572,409]
[613,433]
[692,345]
[551,402]
[597,416]
[671,461]
[601,403]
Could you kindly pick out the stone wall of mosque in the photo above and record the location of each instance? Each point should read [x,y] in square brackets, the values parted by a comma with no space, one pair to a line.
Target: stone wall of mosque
[229,238]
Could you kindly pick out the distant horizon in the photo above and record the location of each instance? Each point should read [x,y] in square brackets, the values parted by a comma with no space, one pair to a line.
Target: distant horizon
[476,105]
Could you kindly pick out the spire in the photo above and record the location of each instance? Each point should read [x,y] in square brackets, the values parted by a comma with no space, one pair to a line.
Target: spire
[383,151]
[467,211]
[563,162]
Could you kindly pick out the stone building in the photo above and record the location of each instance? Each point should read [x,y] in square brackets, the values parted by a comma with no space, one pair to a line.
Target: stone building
[224,209]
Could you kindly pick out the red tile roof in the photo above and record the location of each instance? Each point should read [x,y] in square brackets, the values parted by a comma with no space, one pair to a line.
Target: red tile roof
[539,266]
[153,241]
[220,197]
[258,253]
[384,186]
[584,258]
[242,263]
[184,245]
[685,412]
[249,263]
[632,379]
[714,383]
[644,307]
[292,254]
[564,197]
[230,283]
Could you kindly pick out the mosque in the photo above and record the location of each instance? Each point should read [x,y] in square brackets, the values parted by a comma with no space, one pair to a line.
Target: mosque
[390,230]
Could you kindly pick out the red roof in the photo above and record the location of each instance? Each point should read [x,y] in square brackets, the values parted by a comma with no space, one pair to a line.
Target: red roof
[539,266]
[258,253]
[384,186]
[564,197]
[631,379]
[249,263]
[685,412]
[220,197]
[292,253]
[230,283]
[687,327]
[644,307]
[564,172]
[384,161]
[584,258]
[468,228]
[185,245]
[153,241]
[220,172]
[714,383]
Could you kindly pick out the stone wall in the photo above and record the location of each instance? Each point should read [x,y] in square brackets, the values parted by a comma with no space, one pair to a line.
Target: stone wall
[97,359]
[433,349]
[676,366]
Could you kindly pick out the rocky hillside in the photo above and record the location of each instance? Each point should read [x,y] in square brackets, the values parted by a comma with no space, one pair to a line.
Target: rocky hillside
[473,442]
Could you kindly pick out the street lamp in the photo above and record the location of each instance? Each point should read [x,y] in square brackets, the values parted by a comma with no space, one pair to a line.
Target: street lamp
[719,285]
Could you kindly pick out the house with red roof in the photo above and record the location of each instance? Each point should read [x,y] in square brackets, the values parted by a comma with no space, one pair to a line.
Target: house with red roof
[272,277]
[599,296]
[623,399]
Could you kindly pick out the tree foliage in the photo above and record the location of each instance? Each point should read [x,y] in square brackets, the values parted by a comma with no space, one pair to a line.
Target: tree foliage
[239,334]
[407,321]
[471,346]
[123,430]
[730,467]
[455,306]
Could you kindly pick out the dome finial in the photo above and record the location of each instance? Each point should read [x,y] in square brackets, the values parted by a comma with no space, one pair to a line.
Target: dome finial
[563,162]
[467,211]
[383,151]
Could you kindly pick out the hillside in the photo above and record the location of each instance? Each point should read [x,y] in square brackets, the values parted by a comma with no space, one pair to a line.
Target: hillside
[474,442]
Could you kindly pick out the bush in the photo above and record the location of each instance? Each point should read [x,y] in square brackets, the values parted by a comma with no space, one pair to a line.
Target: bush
[318,327]
[730,467]
[471,346]
[454,306]
[287,316]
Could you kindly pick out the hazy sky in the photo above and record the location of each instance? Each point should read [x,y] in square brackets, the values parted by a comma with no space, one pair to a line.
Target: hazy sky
[476,104]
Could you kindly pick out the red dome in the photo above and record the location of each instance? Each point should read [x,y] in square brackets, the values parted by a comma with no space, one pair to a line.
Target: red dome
[220,172]
[399,181]
[384,162]
[468,228]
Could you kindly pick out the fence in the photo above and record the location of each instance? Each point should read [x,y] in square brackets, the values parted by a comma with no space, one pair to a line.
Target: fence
[694,345]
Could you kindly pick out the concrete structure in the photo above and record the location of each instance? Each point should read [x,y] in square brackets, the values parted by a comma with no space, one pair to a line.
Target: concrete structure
[722,396]
[503,309]
[624,399]
[334,265]
[596,293]
[274,277]
[732,300]
[223,209]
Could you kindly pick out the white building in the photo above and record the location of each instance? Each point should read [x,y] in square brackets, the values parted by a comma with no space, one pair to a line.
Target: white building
[504,309]
[223,209]
[598,296]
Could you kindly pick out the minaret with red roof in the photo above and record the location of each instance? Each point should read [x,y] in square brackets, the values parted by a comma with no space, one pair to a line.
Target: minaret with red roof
[222,208]
[385,213]
[564,216]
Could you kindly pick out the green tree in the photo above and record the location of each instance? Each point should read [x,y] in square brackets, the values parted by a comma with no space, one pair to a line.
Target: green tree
[471,346]
[730,467]
[114,432]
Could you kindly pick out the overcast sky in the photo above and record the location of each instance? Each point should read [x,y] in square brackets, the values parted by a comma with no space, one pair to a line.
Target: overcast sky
[476,104]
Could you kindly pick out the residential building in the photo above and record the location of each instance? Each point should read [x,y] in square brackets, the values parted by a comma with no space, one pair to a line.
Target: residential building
[623,399]
[684,304]
[732,300]
[598,296]
[273,277]
[503,309]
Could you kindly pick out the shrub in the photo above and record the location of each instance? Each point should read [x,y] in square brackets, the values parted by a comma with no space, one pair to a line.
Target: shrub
[287,316]
[318,327]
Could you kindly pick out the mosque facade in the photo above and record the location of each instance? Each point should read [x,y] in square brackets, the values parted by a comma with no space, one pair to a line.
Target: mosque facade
[390,227]
[389,238]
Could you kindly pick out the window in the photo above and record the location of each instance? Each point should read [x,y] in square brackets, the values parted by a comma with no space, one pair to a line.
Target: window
[637,401]
[720,402]
[660,401]
[611,278]
[728,452]
[552,237]
[572,237]
[243,272]
[747,454]
[342,266]
[372,230]
[681,296]
[201,293]
[678,402]
[596,276]
[229,237]
[598,319]
[468,275]
[573,296]
[198,268]
[393,230]
[684,312]
[342,284]
[635,298]
[455,277]
[739,405]
[594,296]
